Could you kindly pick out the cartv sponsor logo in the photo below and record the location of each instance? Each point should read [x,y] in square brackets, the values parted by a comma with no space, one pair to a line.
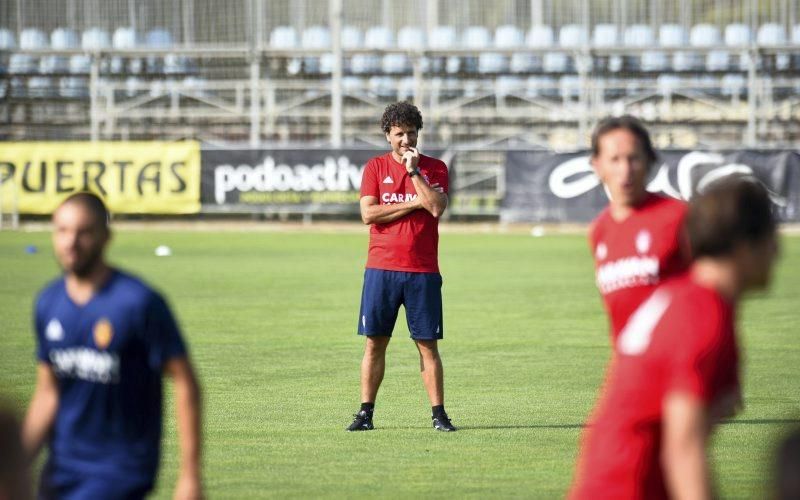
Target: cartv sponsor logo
[86,364]
[332,174]
[627,272]
[389,198]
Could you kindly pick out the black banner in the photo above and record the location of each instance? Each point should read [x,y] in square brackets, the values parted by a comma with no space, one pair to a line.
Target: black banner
[542,186]
[317,180]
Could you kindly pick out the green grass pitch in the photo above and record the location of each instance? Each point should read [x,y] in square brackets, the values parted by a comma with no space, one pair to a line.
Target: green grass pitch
[271,318]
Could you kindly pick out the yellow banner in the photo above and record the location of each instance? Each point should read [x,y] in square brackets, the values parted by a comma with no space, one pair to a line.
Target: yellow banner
[132,177]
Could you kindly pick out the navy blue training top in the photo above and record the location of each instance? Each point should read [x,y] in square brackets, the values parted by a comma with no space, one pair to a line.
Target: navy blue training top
[108,357]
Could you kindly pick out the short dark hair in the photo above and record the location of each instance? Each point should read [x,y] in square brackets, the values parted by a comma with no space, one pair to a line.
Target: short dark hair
[629,123]
[401,114]
[731,211]
[93,203]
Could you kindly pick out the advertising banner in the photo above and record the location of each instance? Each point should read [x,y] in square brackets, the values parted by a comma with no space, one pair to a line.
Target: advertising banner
[543,186]
[313,180]
[133,177]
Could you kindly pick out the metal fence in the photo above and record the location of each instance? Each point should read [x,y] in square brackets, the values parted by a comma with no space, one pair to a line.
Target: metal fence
[713,73]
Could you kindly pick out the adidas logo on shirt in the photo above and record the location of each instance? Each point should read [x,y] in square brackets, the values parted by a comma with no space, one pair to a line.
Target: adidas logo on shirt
[388,180]
[54,331]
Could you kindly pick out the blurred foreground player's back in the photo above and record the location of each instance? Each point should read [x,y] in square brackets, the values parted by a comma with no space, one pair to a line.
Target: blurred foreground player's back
[677,364]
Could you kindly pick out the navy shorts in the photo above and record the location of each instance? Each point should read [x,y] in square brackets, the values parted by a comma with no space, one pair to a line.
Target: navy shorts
[67,485]
[385,291]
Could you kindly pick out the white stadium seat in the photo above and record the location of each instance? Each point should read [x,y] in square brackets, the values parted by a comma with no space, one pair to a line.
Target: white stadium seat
[444,37]
[675,36]
[317,37]
[771,35]
[378,37]
[607,35]
[539,37]
[475,37]
[285,37]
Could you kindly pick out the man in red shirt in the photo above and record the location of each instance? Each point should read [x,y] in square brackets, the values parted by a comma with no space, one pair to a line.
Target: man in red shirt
[637,241]
[403,194]
[676,361]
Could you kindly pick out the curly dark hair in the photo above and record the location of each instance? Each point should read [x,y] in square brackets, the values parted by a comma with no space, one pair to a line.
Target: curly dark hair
[401,114]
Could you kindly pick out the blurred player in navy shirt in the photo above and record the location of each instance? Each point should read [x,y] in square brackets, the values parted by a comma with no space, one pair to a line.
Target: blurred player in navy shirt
[104,341]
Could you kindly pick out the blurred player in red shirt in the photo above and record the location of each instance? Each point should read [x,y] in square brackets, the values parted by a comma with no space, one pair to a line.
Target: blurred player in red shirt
[676,361]
[403,193]
[638,240]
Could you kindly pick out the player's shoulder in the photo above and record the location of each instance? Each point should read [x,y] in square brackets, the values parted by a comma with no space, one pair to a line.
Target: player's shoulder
[667,206]
[432,163]
[598,224]
[378,160]
[127,286]
[706,312]
[50,292]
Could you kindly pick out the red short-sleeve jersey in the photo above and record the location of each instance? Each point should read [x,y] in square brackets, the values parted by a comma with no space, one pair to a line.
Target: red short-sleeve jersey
[410,243]
[633,256]
[680,340]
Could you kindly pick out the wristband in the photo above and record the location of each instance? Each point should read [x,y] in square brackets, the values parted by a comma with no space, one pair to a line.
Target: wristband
[413,173]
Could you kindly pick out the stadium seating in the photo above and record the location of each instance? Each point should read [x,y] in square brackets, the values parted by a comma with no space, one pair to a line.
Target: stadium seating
[639,36]
[124,38]
[285,37]
[506,36]
[506,85]
[674,36]
[23,63]
[352,38]
[575,37]
[733,85]
[707,36]
[604,36]
[540,37]
[796,41]
[477,38]
[409,37]
[541,86]
[569,87]
[771,35]
[740,36]
[382,87]
[62,39]
[377,37]
[679,61]
[405,88]
[317,37]
[444,37]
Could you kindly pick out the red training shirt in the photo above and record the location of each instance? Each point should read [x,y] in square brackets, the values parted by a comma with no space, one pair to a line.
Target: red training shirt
[634,255]
[680,340]
[411,243]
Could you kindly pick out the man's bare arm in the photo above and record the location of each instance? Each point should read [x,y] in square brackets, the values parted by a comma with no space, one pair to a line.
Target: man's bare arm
[187,405]
[41,411]
[374,213]
[432,198]
[683,455]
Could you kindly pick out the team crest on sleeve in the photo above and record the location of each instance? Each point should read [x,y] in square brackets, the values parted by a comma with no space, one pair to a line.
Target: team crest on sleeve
[103,333]
[643,241]
[54,331]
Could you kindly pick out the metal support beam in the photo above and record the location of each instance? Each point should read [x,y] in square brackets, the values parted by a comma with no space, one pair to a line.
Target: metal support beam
[94,109]
[537,12]
[257,35]
[337,73]
[752,98]
[255,100]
